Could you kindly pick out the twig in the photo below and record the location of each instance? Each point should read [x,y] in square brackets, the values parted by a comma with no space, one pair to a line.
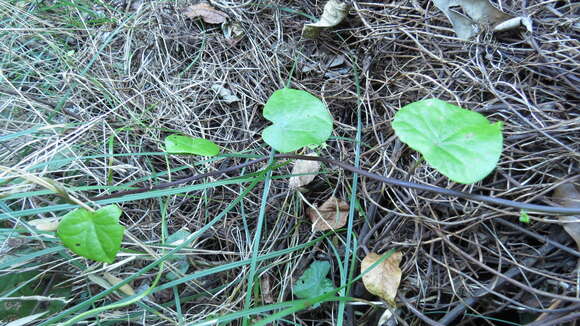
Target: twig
[348,167]
[495,283]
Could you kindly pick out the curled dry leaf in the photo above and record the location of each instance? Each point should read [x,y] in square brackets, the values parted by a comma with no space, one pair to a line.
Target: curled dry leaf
[206,12]
[568,196]
[334,12]
[126,289]
[383,280]
[233,32]
[45,224]
[478,13]
[331,215]
[303,167]
[225,94]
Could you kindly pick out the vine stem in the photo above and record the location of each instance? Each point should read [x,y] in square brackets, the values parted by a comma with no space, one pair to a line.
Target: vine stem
[347,167]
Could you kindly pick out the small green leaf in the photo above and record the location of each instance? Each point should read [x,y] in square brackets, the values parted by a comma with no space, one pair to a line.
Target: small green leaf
[524,217]
[177,144]
[94,235]
[299,119]
[313,282]
[461,144]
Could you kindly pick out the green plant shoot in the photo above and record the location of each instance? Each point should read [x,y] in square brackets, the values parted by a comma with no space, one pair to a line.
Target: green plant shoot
[461,144]
[94,235]
[299,119]
[177,144]
[313,282]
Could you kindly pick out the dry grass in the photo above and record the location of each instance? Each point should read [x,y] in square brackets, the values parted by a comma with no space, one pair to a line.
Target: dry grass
[148,71]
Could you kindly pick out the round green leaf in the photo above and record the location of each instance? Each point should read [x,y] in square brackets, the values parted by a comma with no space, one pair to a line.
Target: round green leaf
[299,119]
[94,235]
[177,144]
[461,144]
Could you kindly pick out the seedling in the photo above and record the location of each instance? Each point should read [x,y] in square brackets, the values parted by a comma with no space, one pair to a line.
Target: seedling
[299,119]
[313,282]
[177,144]
[95,235]
[461,144]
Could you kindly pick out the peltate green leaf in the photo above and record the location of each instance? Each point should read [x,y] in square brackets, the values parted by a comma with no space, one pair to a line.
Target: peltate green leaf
[94,235]
[299,119]
[461,144]
[177,144]
[313,282]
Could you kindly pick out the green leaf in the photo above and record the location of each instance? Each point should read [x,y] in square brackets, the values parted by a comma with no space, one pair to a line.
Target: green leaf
[313,282]
[94,235]
[299,119]
[177,144]
[524,217]
[461,144]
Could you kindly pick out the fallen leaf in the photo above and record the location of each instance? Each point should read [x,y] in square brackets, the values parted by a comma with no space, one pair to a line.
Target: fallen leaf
[334,12]
[477,14]
[225,94]
[303,167]
[206,12]
[383,280]
[513,24]
[331,215]
[127,289]
[266,289]
[45,224]
[233,32]
[568,196]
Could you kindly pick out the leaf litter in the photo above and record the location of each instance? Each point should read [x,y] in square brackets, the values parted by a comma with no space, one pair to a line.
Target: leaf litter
[384,279]
[334,12]
[206,12]
[469,17]
[331,215]
[306,167]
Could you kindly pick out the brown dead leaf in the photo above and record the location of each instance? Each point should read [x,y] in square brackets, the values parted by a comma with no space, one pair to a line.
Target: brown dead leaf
[301,167]
[127,289]
[206,12]
[568,196]
[383,280]
[331,215]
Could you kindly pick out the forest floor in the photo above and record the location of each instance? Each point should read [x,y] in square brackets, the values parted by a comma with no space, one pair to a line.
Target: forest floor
[90,89]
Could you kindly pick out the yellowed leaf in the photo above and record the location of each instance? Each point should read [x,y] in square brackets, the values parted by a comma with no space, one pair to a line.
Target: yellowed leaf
[334,12]
[302,167]
[127,289]
[568,196]
[206,12]
[331,215]
[383,280]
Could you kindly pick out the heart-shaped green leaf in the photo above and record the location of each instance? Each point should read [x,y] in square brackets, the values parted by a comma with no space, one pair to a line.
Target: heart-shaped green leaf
[94,235]
[313,282]
[461,144]
[299,119]
[177,144]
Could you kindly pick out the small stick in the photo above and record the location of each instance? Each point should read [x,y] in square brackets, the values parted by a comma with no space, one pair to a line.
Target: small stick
[348,167]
